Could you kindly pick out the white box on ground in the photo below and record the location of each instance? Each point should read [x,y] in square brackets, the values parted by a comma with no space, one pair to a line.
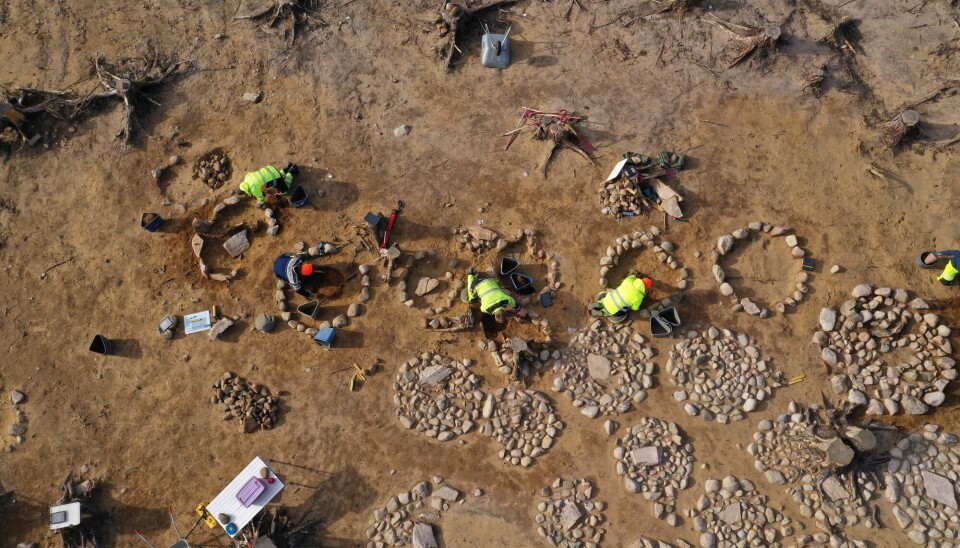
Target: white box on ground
[66,515]
[227,503]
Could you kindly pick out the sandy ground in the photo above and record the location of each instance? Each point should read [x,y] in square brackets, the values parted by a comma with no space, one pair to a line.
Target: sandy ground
[761,149]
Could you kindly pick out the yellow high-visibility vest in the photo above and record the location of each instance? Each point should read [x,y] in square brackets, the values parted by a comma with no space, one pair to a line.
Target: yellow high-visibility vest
[626,297]
[255,183]
[490,295]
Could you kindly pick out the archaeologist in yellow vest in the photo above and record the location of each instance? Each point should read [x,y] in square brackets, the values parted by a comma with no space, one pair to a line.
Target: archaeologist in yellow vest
[493,300]
[268,181]
[617,303]
[928,259]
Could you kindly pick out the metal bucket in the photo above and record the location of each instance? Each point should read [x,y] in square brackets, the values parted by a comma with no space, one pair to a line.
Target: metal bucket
[670,316]
[921,263]
[101,345]
[299,197]
[151,221]
[522,283]
[508,265]
[660,328]
[311,308]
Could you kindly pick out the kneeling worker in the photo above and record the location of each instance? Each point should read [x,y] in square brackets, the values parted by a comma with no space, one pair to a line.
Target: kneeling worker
[617,303]
[929,260]
[290,268]
[493,300]
[269,181]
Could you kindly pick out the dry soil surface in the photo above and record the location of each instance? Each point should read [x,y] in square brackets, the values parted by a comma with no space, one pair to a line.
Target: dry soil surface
[761,147]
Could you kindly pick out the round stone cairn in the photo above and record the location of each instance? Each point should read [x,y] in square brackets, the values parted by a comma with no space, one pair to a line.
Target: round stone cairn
[437,396]
[213,170]
[921,482]
[720,375]
[786,453]
[523,422]
[568,515]
[393,523]
[663,250]
[875,322]
[250,403]
[731,511]
[727,242]
[605,370]
[654,460]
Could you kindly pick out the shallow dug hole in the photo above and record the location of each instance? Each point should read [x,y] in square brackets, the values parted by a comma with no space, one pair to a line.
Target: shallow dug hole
[508,329]
[761,269]
[326,283]
[644,263]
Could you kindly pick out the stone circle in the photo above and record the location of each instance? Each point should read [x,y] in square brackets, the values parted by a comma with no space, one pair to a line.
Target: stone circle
[788,452]
[720,375]
[605,370]
[663,250]
[290,314]
[654,460]
[727,242]
[250,403]
[437,396]
[922,483]
[568,515]
[522,421]
[731,511]
[856,339]
[395,523]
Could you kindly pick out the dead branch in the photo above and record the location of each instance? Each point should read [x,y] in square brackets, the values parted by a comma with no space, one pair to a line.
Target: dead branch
[947,90]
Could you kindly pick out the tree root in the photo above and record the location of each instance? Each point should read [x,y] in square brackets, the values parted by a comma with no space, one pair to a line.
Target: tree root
[127,80]
[757,42]
[287,13]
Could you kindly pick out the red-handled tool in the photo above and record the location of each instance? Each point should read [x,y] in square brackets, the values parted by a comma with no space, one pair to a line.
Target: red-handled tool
[393,218]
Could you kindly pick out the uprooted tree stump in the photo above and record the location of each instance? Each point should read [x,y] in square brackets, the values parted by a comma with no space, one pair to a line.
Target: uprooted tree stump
[128,79]
[761,43]
[287,15]
[758,42]
[558,135]
[452,19]
[894,130]
[813,80]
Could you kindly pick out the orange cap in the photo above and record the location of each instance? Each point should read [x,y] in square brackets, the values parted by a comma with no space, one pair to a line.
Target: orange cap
[648,283]
[306,269]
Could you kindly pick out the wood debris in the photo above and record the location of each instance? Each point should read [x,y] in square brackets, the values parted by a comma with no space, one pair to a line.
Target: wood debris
[127,79]
[288,16]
